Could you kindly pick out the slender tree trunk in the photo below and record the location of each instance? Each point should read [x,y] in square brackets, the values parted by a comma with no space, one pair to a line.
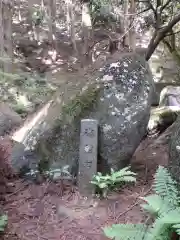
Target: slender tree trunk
[172,51]
[30,13]
[51,14]
[18,3]
[132,34]
[70,23]
[1,34]
[159,35]
[126,22]
[87,34]
[7,48]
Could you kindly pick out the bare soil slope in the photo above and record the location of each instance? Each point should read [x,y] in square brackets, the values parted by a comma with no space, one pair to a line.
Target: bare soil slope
[56,211]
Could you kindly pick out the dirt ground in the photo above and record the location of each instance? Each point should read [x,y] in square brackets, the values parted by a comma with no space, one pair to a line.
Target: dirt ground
[52,211]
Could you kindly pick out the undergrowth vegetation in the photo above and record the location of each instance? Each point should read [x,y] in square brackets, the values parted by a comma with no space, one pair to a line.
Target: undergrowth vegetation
[113,180]
[164,209]
[24,91]
[3,222]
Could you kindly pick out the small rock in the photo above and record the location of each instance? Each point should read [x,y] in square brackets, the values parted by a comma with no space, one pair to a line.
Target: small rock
[170,96]
[8,119]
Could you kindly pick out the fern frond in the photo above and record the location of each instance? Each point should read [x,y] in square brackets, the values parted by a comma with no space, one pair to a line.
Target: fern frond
[165,186]
[162,227]
[124,175]
[3,222]
[110,181]
[127,179]
[154,204]
[176,227]
[124,172]
[159,231]
[172,217]
[125,231]
[164,205]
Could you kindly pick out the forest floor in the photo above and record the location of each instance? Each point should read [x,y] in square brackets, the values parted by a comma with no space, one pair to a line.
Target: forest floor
[56,211]
[51,211]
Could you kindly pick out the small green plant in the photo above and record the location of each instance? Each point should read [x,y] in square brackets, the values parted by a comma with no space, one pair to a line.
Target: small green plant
[37,16]
[59,173]
[164,206]
[112,180]
[53,174]
[3,222]
[97,10]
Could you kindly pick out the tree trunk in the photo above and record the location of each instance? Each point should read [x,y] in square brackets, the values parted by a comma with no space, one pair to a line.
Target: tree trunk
[18,3]
[132,34]
[159,35]
[30,12]
[86,30]
[70,23]
[6,37]
[126,22]
[173,51]
[52,19]
[1,34]
[50,9]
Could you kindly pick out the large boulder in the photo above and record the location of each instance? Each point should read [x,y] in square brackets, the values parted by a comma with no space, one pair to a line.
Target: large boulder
[174,151]
[122,107]
[120,99]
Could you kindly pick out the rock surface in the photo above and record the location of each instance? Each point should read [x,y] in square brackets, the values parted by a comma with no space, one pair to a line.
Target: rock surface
[122,108]
[174,151]
[169,107]
[120,99]
[159,90]
[8,119]
[170,96]
[161,118]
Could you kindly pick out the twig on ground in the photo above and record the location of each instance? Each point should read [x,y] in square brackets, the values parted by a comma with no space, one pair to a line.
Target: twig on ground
[133,205]
[19,189]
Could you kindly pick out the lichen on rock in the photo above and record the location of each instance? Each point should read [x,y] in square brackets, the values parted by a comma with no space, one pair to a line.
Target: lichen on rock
[120,100]
[70,115]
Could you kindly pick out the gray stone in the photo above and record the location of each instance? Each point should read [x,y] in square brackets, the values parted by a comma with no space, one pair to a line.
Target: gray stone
[170,96]
[161,118]
[87,155]
[159,89]
[8,119]
[166,113]
[174,151]
[22,159]
[119,98]
[122,108]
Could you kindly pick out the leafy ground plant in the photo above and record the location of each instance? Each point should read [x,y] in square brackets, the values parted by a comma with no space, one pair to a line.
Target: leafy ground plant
[113,180]
[3,222]
[163,206]
[51,174]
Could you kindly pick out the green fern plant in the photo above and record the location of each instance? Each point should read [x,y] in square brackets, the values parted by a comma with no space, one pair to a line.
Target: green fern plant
[164,206]
[3,222]
[112,180]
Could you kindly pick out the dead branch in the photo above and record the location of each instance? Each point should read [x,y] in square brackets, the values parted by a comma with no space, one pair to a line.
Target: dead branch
[159,35]
[173,33]
[138,200]
[165,5]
